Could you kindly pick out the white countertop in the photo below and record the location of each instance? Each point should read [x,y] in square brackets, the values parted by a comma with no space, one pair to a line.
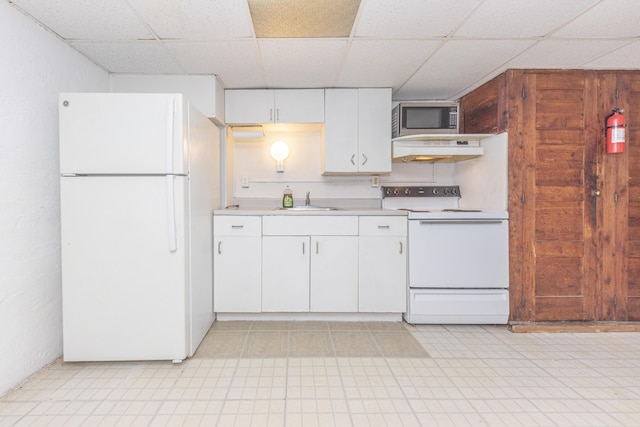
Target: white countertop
[338,212]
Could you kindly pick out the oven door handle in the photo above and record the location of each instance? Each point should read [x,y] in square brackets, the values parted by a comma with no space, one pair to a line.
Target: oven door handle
[462,221]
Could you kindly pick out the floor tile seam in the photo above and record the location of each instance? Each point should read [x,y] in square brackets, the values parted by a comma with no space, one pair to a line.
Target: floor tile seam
[398,385]
[234,374]
[342,386]
[98,402]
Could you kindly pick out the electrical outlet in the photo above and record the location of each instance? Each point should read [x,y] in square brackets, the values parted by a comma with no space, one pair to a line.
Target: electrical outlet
[375,181]
[244,181]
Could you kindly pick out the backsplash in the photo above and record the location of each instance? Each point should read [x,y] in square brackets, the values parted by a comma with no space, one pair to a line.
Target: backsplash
[252,161]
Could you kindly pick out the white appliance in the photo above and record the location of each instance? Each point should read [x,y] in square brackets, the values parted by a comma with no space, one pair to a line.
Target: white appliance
[458,259]
[430,148]
[139,182]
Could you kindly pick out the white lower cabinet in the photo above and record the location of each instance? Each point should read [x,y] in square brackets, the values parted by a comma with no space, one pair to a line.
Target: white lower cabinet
[285,273]
[237,256]
[310,264]
[382,260]
[319,264]
[334,274]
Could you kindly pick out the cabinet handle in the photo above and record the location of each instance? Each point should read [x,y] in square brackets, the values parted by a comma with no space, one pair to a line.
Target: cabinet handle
[277,114]
[302,248]
[317,247]
[220,247]
[383,227]
[401,248]
[270,114]
[237,226]
[365,160]
[352,162]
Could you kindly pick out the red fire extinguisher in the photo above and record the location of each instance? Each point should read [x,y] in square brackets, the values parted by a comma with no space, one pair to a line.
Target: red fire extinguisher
[614,130]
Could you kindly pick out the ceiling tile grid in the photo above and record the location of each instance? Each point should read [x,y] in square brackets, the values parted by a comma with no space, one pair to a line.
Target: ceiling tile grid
[436,49]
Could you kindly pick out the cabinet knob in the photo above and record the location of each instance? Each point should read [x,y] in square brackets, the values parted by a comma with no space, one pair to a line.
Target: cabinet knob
[595,193]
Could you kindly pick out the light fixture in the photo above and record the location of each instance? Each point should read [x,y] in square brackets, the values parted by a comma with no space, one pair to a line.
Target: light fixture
[279,152]
[247,132]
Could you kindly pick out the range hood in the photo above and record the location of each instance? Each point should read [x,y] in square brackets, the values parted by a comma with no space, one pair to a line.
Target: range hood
[437,148]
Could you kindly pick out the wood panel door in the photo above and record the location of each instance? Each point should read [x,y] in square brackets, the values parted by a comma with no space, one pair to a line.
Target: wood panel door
[632,244]
[559,209]
[620,182]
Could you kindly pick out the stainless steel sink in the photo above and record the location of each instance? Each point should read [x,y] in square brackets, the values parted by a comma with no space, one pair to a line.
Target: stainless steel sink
[308,208]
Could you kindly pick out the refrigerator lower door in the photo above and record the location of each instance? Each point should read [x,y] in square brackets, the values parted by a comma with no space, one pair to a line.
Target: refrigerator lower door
[125,269]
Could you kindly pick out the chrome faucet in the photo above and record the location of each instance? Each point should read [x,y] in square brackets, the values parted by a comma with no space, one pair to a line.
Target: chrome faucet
[307,200]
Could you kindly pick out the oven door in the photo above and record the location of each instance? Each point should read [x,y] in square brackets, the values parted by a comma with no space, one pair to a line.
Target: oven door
[458,253]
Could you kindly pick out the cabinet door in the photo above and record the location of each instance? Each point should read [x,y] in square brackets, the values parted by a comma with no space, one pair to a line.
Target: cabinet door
[334,274]
[341,131]
[237,274]
[374,125]
[299,105]
[285,273]
[383,274]
[249,106]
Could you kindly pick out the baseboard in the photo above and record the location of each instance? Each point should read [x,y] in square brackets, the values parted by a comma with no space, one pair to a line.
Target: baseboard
[524,327]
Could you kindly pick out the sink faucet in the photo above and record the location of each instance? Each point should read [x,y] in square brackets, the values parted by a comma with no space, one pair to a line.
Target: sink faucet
[307,200]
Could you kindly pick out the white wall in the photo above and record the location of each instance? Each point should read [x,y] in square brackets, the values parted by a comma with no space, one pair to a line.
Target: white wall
[303,172]
[34,67]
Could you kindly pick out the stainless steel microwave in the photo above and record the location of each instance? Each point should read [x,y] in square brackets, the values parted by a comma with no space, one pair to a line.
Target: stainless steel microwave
[426,117]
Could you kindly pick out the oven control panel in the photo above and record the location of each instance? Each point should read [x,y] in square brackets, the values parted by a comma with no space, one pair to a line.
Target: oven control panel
[427,191]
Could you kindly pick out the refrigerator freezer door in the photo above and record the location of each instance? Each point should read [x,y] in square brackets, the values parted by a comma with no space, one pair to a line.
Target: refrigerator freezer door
[125,293]
[117,133]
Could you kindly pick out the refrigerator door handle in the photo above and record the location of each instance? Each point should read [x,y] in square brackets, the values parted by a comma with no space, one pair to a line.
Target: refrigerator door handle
[171,215]
[169,136]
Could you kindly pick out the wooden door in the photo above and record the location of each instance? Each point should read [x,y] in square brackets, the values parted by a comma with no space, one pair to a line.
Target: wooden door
[559,213]
[620,182]
[632,281]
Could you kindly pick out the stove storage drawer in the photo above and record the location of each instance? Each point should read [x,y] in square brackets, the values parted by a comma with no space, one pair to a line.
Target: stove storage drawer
[458,306]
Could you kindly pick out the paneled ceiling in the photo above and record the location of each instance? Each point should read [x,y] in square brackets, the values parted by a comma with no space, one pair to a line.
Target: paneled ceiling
[423,49]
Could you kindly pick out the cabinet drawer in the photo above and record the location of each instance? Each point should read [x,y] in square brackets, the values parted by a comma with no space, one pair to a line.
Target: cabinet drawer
[326,225]
[383,226]
[237,225]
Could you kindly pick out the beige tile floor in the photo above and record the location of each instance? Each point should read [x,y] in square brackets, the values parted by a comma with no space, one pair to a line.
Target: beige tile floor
[294,374]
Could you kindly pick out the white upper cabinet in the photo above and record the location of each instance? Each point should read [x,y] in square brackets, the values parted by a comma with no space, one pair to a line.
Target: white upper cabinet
[255,106]
[357,131]
[205,92]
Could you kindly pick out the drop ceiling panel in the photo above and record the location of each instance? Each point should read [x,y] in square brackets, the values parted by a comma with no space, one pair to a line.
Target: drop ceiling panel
[423,49]
[608,19]
[302,62]
[236,62]
[520,18]
[563,53]
[196,19]
[457,65]
[130,57]
[411,18]
[389,63]
[624,58]
[87,19]
[297,19]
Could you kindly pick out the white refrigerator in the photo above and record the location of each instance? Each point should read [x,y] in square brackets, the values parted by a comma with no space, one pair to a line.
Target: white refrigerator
[139,180]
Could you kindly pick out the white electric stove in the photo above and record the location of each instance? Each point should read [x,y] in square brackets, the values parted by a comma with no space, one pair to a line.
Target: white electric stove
[458,259]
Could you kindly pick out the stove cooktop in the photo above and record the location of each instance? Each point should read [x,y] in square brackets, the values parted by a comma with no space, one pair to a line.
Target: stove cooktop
[433,202]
